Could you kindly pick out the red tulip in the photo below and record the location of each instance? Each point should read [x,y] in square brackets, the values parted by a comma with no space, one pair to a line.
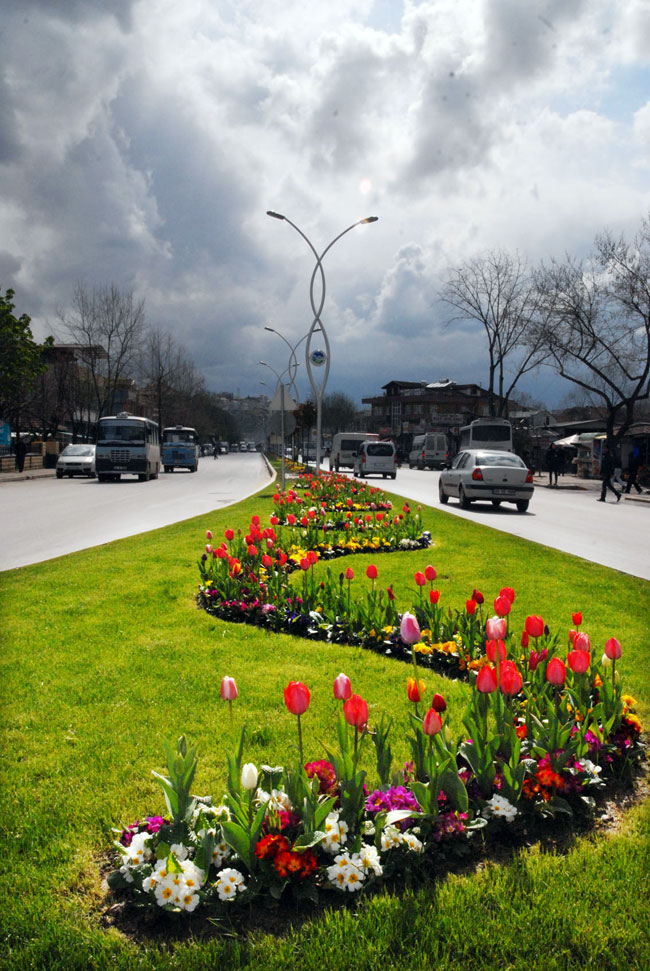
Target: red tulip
[534,626]
[478,596]
[510,679]
[509,593]
[355,711]
[312,556]
[432,722]
[420,578]
[434,596]
[409,629]
[502,605]
[556,672]
[414,689]
[342,687]
[349,573]
[305,564]
[297,697]
[371,572]
[391,595]
[486,681]
[491,648]
[252,550]
[581,642]
[438,703]
[525,639]
[208,534]
[577,618]
[430,573]
[228,688]
[495,628]
[229,534]
[578,661]
[267,562]
[470,607]
[613,649]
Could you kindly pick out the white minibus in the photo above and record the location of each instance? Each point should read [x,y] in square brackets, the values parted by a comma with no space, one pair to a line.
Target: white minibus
[488,433]
[429,451]
[345,446]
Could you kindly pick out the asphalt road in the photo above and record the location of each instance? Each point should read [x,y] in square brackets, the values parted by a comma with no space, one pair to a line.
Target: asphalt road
[45,517]
[567,518]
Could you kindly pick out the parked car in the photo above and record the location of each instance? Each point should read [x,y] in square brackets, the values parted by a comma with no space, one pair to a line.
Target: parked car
[495,476]
[76,460]
[376,458]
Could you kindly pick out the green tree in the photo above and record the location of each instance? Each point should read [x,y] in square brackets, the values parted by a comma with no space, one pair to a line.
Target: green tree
[20,360]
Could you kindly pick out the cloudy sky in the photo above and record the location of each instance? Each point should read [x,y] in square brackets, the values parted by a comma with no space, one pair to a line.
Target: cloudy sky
[142,141]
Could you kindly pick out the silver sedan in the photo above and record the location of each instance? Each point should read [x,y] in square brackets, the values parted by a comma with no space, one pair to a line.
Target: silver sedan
[495,476]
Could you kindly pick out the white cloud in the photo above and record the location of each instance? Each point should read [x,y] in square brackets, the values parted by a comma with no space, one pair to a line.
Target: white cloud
[143,144]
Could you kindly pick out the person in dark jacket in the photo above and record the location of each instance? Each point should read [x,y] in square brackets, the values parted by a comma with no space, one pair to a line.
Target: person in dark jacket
[632,472]
[552,463]
[607,466]
[21,452]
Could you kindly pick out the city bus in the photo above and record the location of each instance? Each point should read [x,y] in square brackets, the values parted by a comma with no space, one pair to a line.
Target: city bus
[488,433]
[180,448]
[127,445]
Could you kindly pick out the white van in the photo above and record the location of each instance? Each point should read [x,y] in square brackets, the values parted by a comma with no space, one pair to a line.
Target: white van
[345,446]
[429,451]
[489,433]
[376,458]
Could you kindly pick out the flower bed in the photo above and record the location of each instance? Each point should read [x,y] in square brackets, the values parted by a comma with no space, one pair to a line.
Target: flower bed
[538,743]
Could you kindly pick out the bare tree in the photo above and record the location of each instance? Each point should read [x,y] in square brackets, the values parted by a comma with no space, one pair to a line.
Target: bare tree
[496,291]
[107,326]
[339,412]
[596,324]
[171,380]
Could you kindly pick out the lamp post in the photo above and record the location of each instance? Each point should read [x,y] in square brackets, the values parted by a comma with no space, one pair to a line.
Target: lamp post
[317,357]
[281,384]
[293,360]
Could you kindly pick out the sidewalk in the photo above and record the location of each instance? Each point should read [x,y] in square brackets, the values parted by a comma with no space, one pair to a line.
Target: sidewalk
[566,482]
[27,474]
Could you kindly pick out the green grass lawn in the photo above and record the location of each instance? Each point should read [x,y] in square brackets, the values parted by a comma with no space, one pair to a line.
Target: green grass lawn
[105,655]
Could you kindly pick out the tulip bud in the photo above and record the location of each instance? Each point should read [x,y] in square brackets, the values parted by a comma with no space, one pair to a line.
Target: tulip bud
[414,689]
[606,661]
[249,776]
[478,596]
[438,703]
[342,687]
[409,629]
[486,681]
[432,722]
[391,595]
[525,640]
[371,572]
[576,618]
[228,688]
[349,573]
[556,672]
[208,534]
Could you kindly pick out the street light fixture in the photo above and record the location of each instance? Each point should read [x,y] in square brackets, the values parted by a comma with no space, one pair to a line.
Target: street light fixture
[293,360]
[281,384]
[318,358]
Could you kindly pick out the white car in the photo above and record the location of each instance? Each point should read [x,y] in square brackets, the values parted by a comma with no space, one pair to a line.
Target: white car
[76,460]
[481,474]
[376,458]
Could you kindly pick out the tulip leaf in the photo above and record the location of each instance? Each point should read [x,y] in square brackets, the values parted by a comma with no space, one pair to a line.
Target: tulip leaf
[237,839]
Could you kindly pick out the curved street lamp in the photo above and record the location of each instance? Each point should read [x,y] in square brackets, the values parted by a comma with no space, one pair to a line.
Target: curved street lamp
[281,385]
[293,360]
[317,324]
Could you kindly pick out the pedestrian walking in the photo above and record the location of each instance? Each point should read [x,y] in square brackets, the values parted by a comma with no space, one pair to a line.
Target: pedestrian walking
[632,472]
[552,464]
[606,473]
[21,452]
[617,478]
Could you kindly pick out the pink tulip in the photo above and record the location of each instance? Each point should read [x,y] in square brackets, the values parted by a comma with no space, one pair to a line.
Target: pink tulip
[208,534]
[228,688]
[613,649]
[581,642]
[556,672]
[432,722]
[409,629]
[342,687]
[495,628]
